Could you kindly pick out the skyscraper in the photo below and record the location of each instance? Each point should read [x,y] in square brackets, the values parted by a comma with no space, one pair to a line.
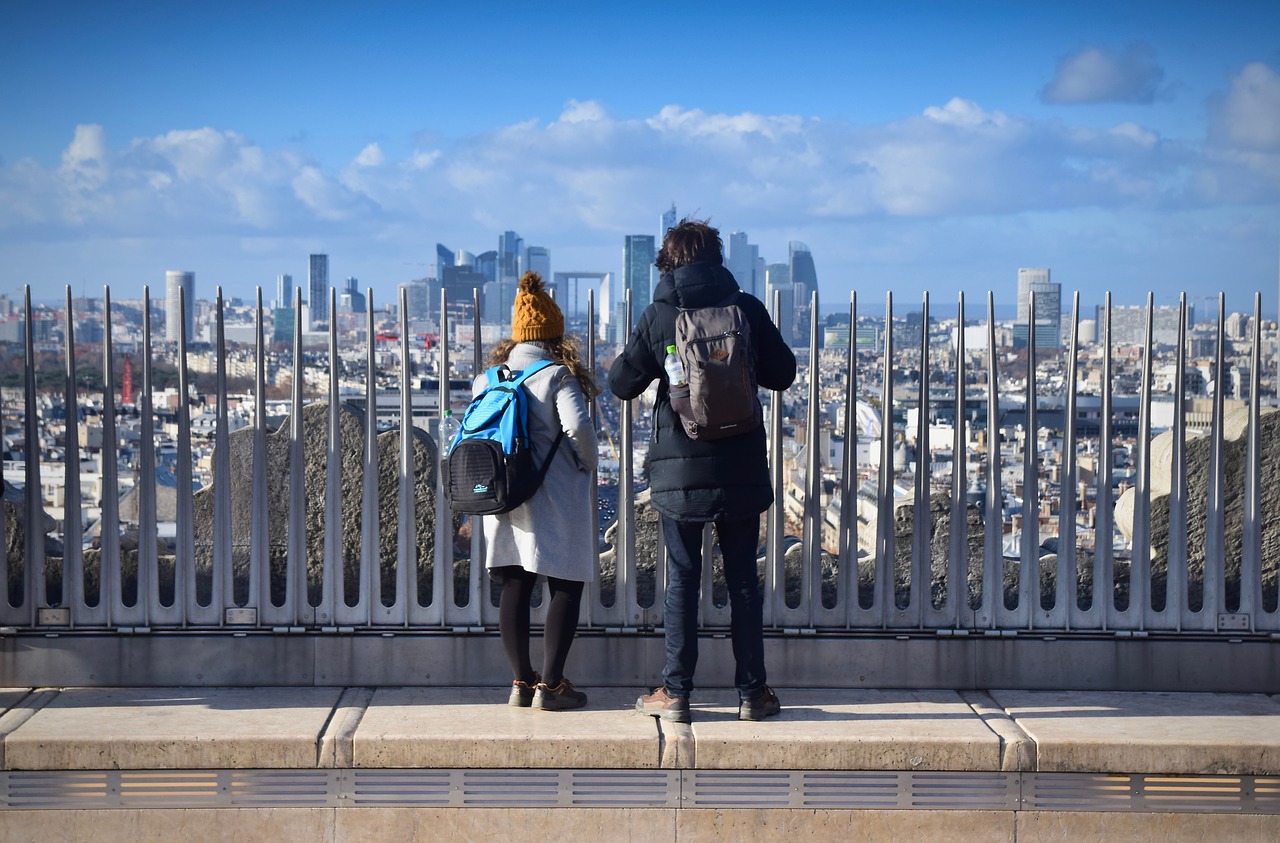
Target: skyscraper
[510,251]
[538,259]
[175,281]
[1048,298]
[804,283]
[638,254]
[803,274]
[668,221]
[318,290]
[284,290]
[740,260]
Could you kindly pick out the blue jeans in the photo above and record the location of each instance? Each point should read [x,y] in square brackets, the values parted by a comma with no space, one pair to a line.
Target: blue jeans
[738,541]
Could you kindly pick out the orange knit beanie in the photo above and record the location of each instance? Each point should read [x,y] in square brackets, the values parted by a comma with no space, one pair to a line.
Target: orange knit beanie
[536,316]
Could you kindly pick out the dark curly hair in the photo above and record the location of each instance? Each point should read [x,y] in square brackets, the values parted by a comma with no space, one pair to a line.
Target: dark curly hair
[689,241]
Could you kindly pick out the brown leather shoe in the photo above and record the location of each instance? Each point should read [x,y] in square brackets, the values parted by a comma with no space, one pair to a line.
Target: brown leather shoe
[765,705]
[663,705]
[522,692]
[562,697]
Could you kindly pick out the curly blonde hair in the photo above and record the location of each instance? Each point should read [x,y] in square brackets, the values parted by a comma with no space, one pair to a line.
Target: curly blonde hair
[563,350]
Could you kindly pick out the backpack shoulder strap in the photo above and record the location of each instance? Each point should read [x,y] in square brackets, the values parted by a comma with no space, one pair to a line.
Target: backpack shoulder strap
[531,370]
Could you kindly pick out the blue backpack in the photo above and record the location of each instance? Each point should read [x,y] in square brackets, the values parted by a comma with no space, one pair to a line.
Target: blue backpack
[489,469]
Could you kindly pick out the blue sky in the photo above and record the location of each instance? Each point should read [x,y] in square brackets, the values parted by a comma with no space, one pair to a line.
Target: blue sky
[1128,146]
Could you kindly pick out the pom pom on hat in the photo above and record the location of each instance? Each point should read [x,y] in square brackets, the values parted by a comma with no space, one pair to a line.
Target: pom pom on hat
[536,316]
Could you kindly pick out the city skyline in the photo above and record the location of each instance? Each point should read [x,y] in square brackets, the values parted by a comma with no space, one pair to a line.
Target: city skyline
[931,147]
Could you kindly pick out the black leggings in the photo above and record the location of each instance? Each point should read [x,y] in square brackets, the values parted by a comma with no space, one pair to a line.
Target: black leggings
[513,622]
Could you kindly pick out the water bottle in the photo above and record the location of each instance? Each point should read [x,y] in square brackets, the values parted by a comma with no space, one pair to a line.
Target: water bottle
[449,428]
[675,369]
[679,383]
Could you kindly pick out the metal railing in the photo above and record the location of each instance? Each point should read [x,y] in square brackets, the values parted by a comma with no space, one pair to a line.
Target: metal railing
[246,584]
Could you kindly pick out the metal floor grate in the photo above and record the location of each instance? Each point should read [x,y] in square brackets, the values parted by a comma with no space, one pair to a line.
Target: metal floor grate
[539,788]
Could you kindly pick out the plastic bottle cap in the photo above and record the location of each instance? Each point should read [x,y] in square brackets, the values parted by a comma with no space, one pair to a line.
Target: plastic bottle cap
[671,349]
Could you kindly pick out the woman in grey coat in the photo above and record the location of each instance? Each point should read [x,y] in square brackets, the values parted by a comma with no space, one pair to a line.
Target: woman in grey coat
[553,533]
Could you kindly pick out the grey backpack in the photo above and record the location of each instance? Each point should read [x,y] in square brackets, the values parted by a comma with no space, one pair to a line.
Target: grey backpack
[714,343]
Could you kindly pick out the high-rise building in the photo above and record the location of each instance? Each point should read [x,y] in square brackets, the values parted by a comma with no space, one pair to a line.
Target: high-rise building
[1048,300]
[667,222]
[510,251]
[803,274]
[741,261]
[486,263]
[538,259]
[444,257]
[284,290]
[638,254]
[804,283]
[318,290]
[352,300]
[777,277]
[176,281]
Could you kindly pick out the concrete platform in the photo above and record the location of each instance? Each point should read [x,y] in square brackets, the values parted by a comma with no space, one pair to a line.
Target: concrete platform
[337,764]
[423,727]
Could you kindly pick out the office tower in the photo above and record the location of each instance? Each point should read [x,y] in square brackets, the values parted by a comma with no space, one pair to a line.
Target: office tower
[444,257]
[284,290]
[1048,299]
[804,277]
[351,300]
[637,259]
[318,291]
[538,259]
[510,250]
[741,261]
[486,263]
[777,279]
[175,280]
[668,221]
[417,302]
[804,283]
[463,258]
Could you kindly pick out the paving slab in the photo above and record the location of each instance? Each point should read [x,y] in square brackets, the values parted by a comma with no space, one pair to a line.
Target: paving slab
[1149,732]
[474,727]
[854,729]
[173,728]
[9,697]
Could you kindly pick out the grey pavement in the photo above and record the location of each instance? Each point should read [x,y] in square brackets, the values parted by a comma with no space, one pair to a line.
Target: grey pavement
[819,729]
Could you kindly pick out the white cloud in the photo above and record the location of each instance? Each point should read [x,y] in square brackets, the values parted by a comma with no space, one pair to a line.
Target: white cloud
[370,156]
[1248,117]
[590,173]
[1097,74]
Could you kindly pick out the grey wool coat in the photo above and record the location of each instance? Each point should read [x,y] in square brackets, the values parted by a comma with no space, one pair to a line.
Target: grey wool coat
[554,532]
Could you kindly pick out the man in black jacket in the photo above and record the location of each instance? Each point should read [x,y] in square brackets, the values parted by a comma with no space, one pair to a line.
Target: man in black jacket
[694,481]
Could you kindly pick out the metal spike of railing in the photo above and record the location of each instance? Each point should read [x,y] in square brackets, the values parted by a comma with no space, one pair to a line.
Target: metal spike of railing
[1175,611]
[148,561]
[921,556]
[33,562]
[811,585]
[993,508]
[297,598]
[847,587]
[73,595]
[624,567]
[1103,601]
[223,576]
[1024,614]
[955,611]
[775,606]
[407,535]
[380,609]
[1215,542]
[259,596]
[1251,527]
[1068,503]
[886,585]
[186,597]
[110,598]
[1139,608]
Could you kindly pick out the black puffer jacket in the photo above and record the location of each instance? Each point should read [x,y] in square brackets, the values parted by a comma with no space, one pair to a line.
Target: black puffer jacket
[694,480]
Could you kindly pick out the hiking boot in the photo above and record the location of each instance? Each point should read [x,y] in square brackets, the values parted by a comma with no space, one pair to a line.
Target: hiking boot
[560,698]
[765,705]
[522,692]
[663,705]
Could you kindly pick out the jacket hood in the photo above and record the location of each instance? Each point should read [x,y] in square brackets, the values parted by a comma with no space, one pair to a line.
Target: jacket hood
[695,285]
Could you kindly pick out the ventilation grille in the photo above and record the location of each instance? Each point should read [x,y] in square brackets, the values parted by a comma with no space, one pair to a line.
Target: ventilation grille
[523,788]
